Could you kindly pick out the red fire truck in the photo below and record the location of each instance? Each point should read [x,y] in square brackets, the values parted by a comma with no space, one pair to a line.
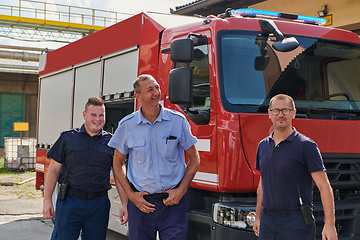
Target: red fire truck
[220,72]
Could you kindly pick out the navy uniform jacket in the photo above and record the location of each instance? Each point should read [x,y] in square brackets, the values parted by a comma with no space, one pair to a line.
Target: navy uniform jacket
[90,159]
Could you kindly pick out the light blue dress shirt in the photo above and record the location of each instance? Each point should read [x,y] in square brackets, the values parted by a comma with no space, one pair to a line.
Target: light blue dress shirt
[156,150]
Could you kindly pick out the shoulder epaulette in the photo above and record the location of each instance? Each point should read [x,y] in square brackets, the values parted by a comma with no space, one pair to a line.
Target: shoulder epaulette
[106,132]
[70,130]
[124,119]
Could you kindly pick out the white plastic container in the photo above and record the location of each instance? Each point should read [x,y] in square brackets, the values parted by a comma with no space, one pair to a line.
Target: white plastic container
[20,154]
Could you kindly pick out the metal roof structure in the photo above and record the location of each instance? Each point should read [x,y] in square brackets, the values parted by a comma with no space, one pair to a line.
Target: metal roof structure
[36,21]
[40,21]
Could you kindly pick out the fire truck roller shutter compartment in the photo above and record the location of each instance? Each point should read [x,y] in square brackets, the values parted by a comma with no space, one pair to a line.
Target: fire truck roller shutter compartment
[120,71]
[54,100]
[87,84]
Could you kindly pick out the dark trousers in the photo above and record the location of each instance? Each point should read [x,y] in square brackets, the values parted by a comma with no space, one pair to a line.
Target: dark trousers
[170,221]
[284,225]
[74,214]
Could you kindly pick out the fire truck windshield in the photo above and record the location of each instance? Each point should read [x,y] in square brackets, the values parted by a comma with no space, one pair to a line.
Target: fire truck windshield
[322,76]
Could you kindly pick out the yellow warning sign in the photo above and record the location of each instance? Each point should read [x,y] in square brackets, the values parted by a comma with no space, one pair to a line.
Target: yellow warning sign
[21,126]
[328,20]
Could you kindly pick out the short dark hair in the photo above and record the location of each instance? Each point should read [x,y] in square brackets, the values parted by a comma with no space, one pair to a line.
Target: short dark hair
[140,78]
[95,101]
[282,96]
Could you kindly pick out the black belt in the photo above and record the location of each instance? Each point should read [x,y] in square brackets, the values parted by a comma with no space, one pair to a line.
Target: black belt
[281,211]
[156,196]
[87,195]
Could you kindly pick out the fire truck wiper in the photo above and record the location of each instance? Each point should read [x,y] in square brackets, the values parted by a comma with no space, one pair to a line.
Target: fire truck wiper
[339,110]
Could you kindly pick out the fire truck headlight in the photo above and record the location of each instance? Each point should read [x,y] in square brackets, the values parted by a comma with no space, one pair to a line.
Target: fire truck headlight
[250,218]
[240,217]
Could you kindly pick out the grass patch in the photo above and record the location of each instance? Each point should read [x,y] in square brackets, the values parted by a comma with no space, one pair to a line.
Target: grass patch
[4,171]
[26,190]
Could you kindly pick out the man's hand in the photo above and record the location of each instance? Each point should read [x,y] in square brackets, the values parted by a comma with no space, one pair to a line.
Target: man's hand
[124,217]
[256,226]
[175,195]
[50,182]
[259,209]
[327,198]
[138,199]
[329,232]
[48,209]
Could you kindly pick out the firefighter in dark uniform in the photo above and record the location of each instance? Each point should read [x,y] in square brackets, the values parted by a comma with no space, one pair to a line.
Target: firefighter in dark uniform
[82,159]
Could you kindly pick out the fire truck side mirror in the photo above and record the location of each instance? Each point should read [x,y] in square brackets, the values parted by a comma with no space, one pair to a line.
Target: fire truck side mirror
[286,45]
[181,86]
[182,50]
[282,44]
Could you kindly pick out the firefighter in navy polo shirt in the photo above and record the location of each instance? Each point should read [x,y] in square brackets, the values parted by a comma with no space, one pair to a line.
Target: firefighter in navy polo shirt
[81,162]
[289,162]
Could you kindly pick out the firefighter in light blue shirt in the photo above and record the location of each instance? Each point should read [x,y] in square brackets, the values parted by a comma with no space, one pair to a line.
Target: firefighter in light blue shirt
[157,178]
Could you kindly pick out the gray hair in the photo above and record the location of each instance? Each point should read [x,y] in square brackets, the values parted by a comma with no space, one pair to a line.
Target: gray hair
[140,78]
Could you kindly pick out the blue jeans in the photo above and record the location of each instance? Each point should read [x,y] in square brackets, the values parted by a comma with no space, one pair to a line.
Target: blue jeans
[170,221]
[74,214]
[284,225]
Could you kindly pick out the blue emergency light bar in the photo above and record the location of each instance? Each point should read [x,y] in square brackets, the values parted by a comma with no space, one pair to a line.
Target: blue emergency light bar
[246,12]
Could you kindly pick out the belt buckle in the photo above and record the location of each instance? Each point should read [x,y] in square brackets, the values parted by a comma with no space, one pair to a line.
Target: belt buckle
[157,196]
[90,195]
[160,196]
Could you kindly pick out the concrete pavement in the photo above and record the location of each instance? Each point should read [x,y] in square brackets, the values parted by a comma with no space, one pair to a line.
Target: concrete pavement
[22,219]
[28,227]
[21,211]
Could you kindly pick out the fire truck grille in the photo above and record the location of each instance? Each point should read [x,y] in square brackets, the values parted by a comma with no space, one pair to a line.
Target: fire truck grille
[345,222]
[343,171]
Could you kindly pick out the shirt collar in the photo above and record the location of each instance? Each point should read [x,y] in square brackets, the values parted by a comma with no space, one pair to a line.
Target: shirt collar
[290,138]
[83,130]
[162,116]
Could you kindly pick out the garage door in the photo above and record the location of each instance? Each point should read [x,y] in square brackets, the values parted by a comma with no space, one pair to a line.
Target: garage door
[12,109]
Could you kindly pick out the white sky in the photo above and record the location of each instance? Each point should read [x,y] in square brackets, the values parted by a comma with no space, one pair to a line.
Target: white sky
[123,6]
